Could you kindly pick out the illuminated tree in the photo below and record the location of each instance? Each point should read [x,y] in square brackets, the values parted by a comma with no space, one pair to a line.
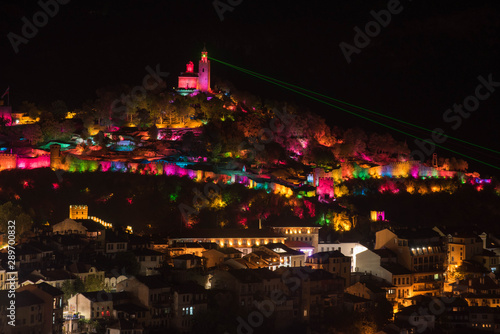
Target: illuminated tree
[93,283]
[11,212]
[30,109]
[354,142]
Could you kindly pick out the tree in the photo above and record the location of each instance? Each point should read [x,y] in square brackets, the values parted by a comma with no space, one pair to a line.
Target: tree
[4,122]
[153,132]
[30,109]
[51,130]
[354,142]
[67,129]
[93,283]
[127,261]
[322,156]
[11,212]
[59,109]
[71,288]
[33,133]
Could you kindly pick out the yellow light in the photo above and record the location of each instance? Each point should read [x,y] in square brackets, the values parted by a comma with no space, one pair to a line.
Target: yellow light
[308,231]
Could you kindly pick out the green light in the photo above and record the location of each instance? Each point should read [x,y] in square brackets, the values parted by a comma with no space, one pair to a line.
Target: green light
[352,113]
[355,114]
[355,106]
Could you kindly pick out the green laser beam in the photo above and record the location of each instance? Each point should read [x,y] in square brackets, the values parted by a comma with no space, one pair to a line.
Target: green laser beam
[358,107]
[358,115]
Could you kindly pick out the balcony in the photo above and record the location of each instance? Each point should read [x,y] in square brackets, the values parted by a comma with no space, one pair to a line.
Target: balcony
[73,317]
[427,287]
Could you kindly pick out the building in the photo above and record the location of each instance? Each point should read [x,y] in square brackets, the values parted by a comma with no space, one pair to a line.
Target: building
[154,293]
[83,271]
[334,262]
[54,278]
[191,81]
[482,291]
[52,305]
[421,252]
[489,259]
[8,278]
[32,315]
[180,248]
[188,261]
[189,300]
[463,246]
[69,226]
[351,249]
[96,305]
[78,212]
[240,239]
[284,256]
[299,231]
[215,257]
[149,260]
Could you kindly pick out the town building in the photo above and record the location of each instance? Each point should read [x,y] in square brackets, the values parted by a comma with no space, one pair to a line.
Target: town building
[191,81]
[334,262]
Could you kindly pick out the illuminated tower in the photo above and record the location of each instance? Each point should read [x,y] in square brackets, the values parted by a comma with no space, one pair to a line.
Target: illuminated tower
[204,72]
[78,212]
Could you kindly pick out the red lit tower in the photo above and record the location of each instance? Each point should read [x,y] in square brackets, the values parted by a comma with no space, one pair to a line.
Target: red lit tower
[204,72]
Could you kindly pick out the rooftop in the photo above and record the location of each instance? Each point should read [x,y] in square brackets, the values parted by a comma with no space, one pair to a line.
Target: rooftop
[282,249]
[395,268]
[153,282]
[50,289]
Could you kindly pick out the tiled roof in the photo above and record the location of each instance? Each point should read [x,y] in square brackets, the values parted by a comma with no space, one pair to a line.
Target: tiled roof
[50,289]
[153,282]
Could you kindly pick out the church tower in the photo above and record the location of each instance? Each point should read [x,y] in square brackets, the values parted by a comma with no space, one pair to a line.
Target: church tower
[204,72]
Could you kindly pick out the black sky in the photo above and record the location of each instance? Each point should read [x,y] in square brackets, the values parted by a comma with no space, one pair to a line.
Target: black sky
[424,61]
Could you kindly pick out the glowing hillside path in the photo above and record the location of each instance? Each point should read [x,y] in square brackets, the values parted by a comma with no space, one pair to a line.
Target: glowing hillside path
[361,116]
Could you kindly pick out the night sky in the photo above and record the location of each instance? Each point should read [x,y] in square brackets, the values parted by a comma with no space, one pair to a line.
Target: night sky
[425,60]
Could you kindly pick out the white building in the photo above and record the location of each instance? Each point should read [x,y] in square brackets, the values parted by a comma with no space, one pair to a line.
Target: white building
[351,249]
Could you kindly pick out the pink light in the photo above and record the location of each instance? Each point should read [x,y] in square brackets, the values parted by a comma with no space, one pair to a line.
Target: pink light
[389,186]
[55,186]
[243,222]
[311,208]
[130,200]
